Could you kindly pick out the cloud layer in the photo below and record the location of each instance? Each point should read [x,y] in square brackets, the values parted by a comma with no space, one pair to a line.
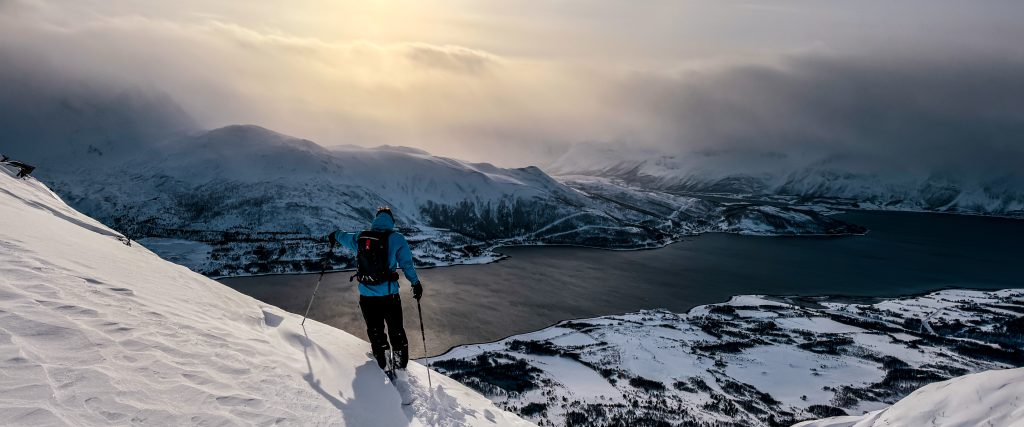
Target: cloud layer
[926,84]
[921,112]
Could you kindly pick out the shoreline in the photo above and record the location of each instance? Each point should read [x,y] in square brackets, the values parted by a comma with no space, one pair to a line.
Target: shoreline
[678,239]
[501,257]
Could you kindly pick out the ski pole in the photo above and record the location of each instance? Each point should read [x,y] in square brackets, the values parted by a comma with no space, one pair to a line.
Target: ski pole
[424,335]
[330,251]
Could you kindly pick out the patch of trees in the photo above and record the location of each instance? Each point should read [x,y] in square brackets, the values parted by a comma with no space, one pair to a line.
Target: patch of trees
[826,411]
[646,384]
[507,373]
[831,345]
[508,218]
[724,347]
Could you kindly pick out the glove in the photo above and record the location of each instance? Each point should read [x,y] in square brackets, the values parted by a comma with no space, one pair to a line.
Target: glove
[330,239]
[417,291]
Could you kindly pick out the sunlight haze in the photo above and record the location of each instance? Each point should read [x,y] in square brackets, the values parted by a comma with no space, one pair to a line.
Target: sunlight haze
[471,78]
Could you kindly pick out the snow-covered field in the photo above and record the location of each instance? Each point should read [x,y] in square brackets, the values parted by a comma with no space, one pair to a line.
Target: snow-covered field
[94,332]
[753,361]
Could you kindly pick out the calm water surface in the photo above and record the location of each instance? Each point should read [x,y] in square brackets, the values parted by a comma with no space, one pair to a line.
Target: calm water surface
[904,253]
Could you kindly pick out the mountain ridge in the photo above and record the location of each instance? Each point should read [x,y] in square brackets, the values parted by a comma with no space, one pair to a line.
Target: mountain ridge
[843,182]
[255,201]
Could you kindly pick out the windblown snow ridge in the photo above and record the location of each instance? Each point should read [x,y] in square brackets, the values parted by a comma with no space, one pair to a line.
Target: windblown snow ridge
[94,333]
[991,398]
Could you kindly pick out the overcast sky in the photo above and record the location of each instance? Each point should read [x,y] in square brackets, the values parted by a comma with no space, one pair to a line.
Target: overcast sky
[513,81]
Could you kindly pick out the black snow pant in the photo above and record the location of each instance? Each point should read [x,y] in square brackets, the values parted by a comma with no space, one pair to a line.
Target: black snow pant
[378,311]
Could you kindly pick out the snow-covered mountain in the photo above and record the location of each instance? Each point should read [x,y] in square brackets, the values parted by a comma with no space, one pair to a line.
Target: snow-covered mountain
[753,361]
[991,398]
[826,179]
[247,200]
[256,199]
[674,213]
[94,332]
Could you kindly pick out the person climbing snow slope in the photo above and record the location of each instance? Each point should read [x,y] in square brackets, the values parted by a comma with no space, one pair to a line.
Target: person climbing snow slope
[380,252]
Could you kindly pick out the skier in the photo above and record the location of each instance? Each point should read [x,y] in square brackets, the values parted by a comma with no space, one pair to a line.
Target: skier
[380,251]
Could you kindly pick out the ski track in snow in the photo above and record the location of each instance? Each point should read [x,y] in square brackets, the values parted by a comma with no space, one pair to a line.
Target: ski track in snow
[96,333]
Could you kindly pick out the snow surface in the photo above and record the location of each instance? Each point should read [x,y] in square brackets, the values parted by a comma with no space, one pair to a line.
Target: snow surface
[179,251]
[992,398]
[95,332]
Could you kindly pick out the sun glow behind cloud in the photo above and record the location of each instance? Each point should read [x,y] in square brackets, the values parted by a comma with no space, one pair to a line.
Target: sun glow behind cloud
[354,74]
[508,82]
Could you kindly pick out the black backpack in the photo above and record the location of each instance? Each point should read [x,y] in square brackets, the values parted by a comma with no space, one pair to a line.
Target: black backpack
[372,266]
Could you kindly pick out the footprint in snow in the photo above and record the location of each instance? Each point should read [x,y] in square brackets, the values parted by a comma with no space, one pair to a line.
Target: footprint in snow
[78,311]
[237,400]
[272,319]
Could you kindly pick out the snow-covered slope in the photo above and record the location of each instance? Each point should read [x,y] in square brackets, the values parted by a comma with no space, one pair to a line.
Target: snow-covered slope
[96,332]
[831,180]
[673,213]
[992,398]
[244,200]
[753,361]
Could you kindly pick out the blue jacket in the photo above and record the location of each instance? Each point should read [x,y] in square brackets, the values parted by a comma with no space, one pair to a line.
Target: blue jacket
[399,255]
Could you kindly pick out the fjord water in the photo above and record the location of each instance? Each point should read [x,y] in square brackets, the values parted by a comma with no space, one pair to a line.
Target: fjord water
[904,253]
